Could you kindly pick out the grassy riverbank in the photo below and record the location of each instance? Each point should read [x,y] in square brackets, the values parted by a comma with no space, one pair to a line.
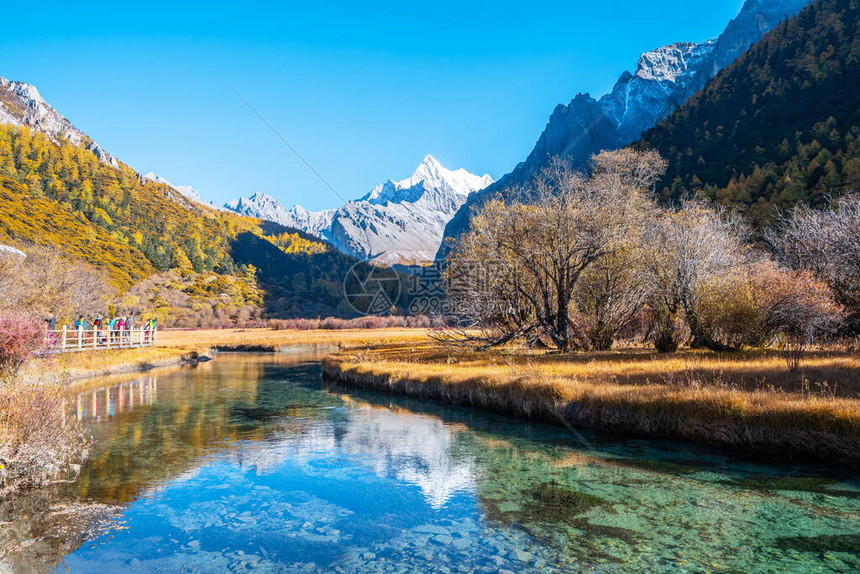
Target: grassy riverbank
[744,401]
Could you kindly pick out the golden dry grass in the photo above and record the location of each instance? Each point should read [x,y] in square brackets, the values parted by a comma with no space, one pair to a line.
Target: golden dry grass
[74,366]
[747,401]
[345,338]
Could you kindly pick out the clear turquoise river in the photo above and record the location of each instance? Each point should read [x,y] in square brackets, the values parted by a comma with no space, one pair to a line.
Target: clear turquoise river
[245,464]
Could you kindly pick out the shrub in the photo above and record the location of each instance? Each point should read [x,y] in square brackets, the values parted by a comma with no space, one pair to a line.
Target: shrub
[20,337]
[729,313]
[39,440]
[369,322]
[797,308]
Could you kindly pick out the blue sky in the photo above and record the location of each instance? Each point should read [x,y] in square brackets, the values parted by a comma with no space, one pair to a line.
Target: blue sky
[363,90]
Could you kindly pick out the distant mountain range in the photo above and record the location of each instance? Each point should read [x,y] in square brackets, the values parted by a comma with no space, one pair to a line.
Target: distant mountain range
[397,222]
[664,79]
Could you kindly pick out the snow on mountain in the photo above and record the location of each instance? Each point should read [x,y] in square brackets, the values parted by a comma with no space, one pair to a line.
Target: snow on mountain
[435,177]
[266,207]
[22,105]
[664,79]
[186,190]
[397,222]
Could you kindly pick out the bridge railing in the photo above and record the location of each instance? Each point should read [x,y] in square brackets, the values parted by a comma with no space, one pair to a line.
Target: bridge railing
[65,339]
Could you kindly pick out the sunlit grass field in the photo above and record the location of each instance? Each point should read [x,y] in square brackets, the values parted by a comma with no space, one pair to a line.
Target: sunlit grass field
[212,338]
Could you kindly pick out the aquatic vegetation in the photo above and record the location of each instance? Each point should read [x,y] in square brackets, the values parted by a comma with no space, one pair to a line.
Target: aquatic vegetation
[554,502]
[814,484]
[604,531]
[661,466]
[824,543]
[549,502]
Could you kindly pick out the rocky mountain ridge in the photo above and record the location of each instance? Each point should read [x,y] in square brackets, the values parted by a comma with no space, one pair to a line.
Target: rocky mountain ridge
[665,78]
[21,104]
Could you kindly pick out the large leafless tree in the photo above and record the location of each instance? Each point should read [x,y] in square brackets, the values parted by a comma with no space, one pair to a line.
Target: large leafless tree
[518,270]
[687,249]
[49,284]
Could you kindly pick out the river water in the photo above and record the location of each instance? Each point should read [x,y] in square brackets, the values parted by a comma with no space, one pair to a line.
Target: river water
[246,464]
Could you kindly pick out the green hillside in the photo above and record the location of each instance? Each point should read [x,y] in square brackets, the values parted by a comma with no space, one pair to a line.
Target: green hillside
[158,250]
[780,126]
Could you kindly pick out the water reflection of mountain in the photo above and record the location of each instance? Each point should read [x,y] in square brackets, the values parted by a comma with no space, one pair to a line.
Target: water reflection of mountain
[405,446]
[417,449]
[148,431]
[153,430]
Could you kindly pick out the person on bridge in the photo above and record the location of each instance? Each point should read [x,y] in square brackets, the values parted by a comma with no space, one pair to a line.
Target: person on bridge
[97,327]
[81,324]
[112,327]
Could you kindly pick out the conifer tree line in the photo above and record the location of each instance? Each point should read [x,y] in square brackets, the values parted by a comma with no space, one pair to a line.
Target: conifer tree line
[580,261]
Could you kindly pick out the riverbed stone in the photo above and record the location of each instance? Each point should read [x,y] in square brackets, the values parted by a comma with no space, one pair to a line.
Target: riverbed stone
[431,529]
[520,555]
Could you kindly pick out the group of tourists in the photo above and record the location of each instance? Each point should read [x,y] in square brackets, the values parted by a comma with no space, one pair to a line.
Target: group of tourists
[114,329]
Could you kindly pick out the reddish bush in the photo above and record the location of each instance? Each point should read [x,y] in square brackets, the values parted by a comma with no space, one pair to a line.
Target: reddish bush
[796,308]
[20,337]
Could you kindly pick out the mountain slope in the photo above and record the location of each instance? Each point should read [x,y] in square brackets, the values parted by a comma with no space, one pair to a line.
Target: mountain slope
[665,78]
[178,259]
[22,105]
[780,126]
[41,220]
[397,222]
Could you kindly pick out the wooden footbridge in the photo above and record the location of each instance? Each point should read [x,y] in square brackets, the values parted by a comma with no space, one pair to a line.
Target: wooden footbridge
[67,340]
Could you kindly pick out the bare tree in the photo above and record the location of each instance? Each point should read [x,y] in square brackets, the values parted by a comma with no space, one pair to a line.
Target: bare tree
[49,284]
[687,249]
[826,243]
[535,253]
[609,295]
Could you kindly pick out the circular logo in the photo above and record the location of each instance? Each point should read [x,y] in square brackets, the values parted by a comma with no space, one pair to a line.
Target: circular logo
[371,290]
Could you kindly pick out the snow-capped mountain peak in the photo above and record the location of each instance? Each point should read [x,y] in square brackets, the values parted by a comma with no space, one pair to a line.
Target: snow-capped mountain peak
[667,63]
[434,177]
[397,221]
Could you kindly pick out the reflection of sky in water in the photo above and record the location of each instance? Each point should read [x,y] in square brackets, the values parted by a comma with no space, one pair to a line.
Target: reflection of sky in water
[225,468]
[406,447]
